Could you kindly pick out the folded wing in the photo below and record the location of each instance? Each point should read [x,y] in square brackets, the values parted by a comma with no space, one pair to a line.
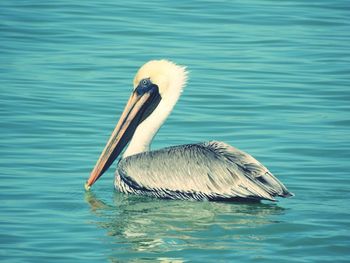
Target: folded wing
[210,170]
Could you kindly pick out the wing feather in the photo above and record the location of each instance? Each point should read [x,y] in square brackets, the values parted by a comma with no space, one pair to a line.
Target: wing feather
[210,170]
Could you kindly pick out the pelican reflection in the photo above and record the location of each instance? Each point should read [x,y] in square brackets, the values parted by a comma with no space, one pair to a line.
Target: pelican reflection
[148,225]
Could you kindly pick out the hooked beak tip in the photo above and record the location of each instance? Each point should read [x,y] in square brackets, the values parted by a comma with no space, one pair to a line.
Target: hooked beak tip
[87,186]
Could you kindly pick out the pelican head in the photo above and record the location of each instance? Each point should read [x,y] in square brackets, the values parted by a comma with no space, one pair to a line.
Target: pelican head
[157,87]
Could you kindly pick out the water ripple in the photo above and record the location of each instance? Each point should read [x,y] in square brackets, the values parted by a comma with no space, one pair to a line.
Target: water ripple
[270,78]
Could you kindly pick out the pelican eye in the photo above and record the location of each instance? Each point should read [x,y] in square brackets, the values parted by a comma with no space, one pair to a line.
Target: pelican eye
[144,86]
[145,82]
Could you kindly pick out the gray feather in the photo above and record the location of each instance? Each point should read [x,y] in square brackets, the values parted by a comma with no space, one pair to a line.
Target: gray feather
[203,171]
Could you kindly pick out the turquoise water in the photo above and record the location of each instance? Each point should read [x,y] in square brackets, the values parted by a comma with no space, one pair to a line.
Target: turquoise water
[269,77]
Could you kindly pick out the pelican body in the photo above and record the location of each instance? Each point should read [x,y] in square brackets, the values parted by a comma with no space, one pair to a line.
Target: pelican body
[211,170]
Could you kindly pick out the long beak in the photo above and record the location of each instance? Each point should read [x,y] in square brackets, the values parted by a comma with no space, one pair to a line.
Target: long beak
[121,135]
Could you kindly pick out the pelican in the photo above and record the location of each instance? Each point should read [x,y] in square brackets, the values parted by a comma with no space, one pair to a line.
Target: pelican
[212,170]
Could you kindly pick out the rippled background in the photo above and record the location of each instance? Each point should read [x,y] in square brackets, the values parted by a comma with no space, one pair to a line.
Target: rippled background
[271,78]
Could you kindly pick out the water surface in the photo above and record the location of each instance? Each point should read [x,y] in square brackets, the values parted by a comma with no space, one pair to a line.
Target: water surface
[271,78]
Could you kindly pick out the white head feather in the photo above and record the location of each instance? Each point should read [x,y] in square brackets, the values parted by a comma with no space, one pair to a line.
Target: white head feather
[170,79]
